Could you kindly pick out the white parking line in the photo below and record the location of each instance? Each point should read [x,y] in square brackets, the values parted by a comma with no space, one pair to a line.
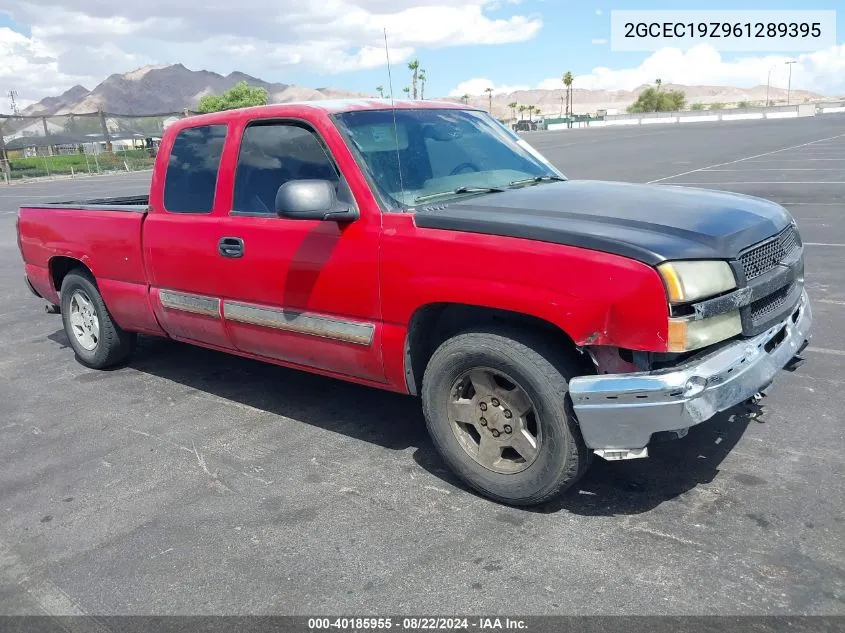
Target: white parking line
[792,160]
[766,182]
[739,160]
[824,350]
[781,169]
[822,244]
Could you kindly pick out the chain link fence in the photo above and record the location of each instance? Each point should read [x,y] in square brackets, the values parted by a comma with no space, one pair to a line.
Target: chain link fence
[75,144]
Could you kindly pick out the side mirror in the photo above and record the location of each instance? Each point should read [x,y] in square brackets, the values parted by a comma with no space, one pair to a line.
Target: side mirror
[312,200]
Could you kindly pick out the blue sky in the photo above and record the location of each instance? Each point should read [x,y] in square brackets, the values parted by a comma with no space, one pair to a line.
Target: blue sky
[534,42]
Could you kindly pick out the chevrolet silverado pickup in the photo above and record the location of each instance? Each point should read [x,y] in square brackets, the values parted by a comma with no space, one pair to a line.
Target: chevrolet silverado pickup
[424,248]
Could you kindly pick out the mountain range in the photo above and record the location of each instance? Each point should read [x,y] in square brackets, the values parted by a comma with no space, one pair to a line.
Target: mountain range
[173,88]
[551,102]
[164,89]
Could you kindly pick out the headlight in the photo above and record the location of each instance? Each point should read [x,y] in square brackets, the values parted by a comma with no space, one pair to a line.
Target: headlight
[689,281]
[687,334]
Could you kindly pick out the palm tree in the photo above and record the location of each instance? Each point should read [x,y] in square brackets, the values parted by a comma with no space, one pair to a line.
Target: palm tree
[406,90]
[530,111]
[567,81]
[659,82]
[489,92]
[513,105]
[522,108]
[422,83]
[465,98]
[415,66]
[380,91]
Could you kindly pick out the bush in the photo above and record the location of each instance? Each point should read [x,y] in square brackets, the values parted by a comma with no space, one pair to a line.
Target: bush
[697,106]
[717,105]
[654,100]
[241,95]
[66,164]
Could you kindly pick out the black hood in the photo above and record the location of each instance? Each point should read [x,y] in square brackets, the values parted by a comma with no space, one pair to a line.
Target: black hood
[649,223]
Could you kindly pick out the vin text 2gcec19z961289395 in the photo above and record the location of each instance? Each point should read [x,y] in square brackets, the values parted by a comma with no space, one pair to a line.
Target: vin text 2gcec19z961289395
[426,249]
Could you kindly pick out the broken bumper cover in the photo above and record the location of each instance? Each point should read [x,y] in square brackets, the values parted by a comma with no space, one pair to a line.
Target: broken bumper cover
[622,411]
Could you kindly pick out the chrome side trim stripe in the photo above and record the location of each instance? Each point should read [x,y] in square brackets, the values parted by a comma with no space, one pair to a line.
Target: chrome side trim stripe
[190,303]
[301,322]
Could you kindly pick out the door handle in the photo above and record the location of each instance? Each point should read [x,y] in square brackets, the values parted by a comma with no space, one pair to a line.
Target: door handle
[231,247]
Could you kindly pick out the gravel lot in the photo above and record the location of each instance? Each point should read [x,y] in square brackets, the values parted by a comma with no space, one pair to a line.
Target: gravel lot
[192,482]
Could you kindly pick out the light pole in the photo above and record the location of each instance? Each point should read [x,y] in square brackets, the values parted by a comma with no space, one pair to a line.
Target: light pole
[768,83]
[789,84]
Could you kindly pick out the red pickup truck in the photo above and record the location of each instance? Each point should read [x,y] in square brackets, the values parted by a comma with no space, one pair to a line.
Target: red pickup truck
[425,248]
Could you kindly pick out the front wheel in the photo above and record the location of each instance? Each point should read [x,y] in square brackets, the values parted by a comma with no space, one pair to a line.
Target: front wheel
[96,339]
[496,405]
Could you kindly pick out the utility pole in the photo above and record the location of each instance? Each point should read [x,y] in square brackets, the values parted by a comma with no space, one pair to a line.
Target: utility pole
[768,83]
[4,156]
[104,128]
[789,84]
[47,136]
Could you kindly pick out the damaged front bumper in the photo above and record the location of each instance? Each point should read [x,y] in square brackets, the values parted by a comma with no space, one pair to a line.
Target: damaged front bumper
[618,413]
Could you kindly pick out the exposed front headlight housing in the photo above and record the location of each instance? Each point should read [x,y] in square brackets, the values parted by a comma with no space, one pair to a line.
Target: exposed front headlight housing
[693,280]
[686,333]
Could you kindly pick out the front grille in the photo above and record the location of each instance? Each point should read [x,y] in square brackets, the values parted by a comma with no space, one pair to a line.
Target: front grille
[762,309]
[761,259]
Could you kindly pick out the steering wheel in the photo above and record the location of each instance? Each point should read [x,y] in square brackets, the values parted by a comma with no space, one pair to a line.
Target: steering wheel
[463,167]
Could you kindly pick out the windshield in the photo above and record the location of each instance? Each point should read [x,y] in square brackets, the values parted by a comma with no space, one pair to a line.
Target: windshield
[439,154]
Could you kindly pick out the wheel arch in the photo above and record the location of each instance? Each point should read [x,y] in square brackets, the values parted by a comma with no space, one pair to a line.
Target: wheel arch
[59,267]
[433,323]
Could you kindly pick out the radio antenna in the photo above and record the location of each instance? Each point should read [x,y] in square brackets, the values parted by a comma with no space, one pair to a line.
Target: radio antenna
[393,109]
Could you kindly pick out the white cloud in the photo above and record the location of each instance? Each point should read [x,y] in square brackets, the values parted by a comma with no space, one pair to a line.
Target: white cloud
[822,71]
[477,86]
[31,67]
[82,41]
[598,40]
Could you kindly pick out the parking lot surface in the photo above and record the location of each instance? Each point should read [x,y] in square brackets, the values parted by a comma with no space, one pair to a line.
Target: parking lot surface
[193,482]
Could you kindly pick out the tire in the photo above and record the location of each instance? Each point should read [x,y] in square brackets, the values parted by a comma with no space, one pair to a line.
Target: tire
[515,358]
[112,345]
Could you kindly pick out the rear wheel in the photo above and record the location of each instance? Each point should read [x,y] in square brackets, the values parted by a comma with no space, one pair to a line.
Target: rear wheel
[96,339]
[497,407]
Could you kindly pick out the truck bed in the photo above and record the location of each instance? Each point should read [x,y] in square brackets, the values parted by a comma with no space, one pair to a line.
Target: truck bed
[134,204]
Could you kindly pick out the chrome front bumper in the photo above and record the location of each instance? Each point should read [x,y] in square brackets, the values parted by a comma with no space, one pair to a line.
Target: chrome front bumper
[622,411]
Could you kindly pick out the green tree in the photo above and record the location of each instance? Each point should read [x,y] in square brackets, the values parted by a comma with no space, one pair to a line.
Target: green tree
[530,109]
[489,92]
[743,104]
[658,82]
[717,105]
[697,106]
[567,81]
[380,90]
[422,83]
[465,98]
[406,90]
[415,67]
[522,109]
[653,100]
[513,105]
[241,95]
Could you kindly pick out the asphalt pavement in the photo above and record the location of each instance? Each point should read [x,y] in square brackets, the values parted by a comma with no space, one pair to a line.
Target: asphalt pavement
[193,482]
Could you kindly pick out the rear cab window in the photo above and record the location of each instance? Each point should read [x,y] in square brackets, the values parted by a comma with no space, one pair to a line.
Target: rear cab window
[192,167]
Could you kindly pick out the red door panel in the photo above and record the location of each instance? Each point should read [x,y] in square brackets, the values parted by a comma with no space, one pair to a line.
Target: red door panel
[181,251]
[306,292]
